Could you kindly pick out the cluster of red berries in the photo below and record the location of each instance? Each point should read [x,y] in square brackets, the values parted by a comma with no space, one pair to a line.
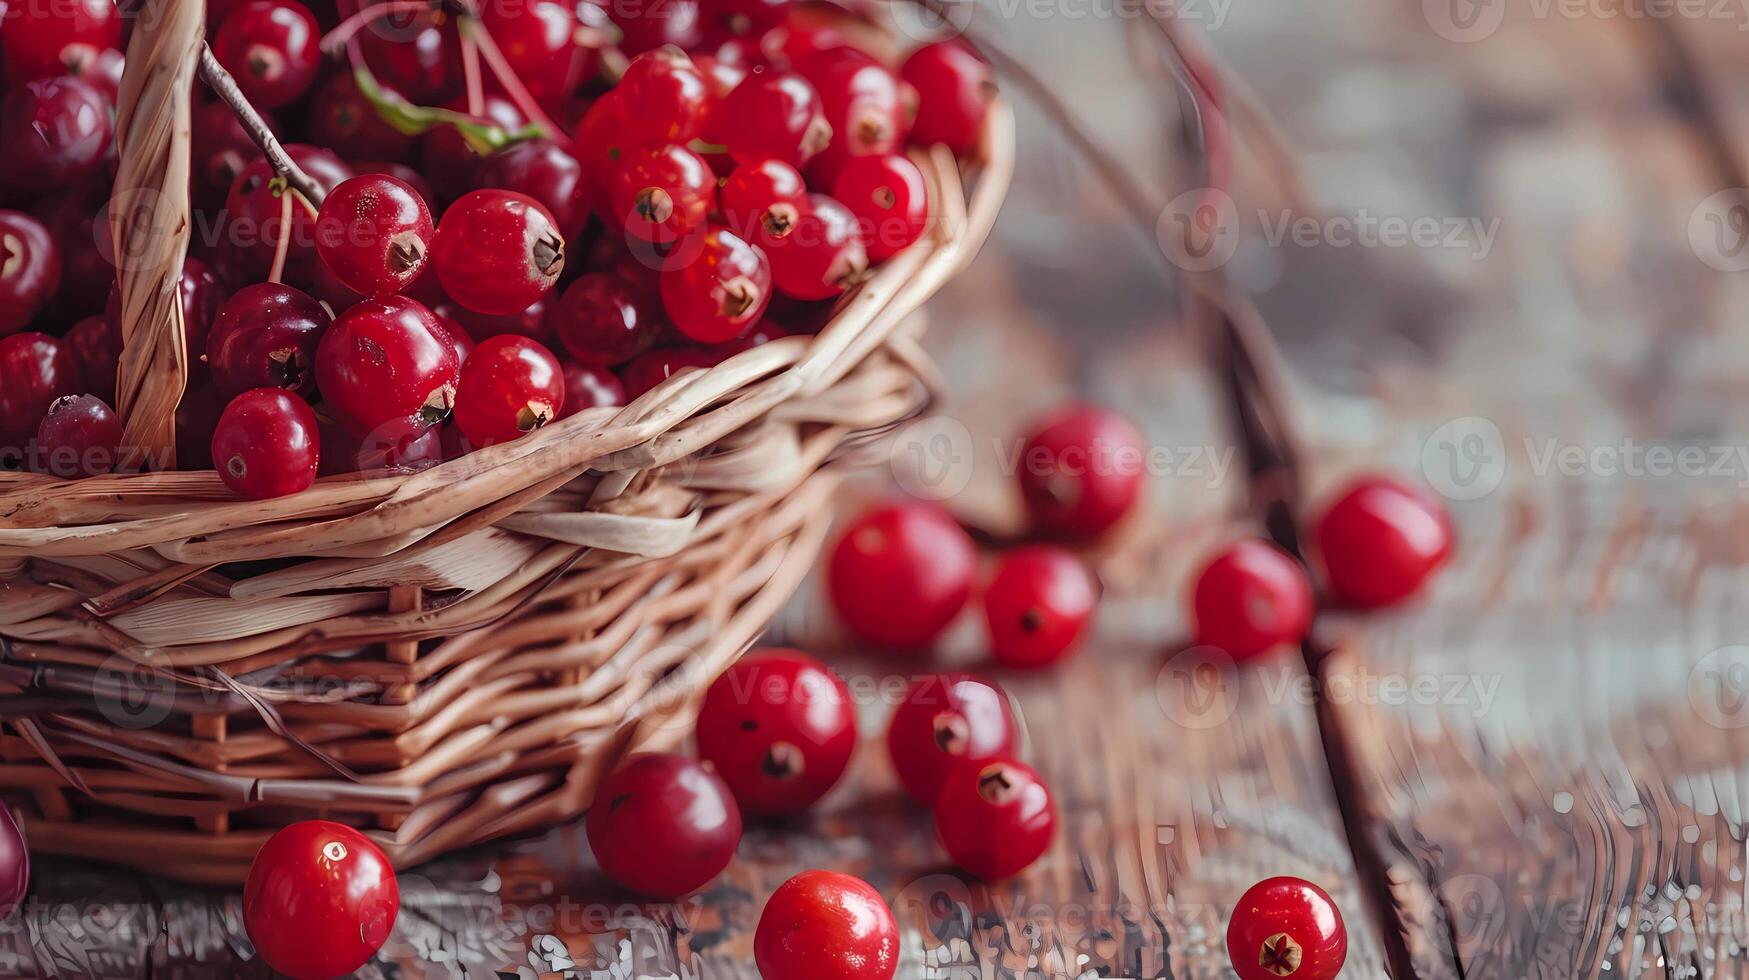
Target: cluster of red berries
[497,248]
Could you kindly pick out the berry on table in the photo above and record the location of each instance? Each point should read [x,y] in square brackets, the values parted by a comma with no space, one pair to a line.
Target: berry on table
[320,900]
[35,369]
[901,573]
[663,825]
[30,269]
[80,436]
[57,132]
[590,387]
[509,387]
[995,817]
[1038,606]
[497,251]
[271,48]
[945,720]
[542,170]
[661,192]
[1286,927]
[954,90]
[823,925]
[773,115]
[1081,471]
[266,336]
[763,200]
[386,366]
[602,320]
[1250,599]
[266,444]
[1381,541]
[887,195]
[779,727]
[42,40]
[721,291]
[539,40]
[14,864]
[374,233]
[822,256]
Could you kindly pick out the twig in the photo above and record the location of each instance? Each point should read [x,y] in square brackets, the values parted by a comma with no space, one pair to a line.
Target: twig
[225,87]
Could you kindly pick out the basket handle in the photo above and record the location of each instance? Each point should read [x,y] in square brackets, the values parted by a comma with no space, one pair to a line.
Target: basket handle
[150,221]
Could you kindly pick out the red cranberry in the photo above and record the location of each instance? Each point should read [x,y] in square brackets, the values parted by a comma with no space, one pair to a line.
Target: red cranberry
[374,232]
[417,54]
[647,26]
[822,256]
[222,148]
[664,97]
[456,335]
[510,386]
[714,296]
[661,192]
[497,251]
[763,200]
[889,199]
[343,120]
[901,573]
[253,208]
[1381,541]
[780,728]
[590,387]
[866,105]
[345,452]
[954,91]
[266,336]
[271,48]
[533,322]
[602,320]
[947,719]
[387,367]
[197,415]
[75,224]
[30,269]
[266,444]
[78,437]
[57,132]
[539,40]
[1286,927]
[401,172]
[794,43]
[603,137]
[653,367]
[42,40]
[1250,599]
[995,817]
[720,76]
[14,865]
[320,900]
[97,350]
[35,369]
[202,295]
[445,157]
[663,825]
[1081,471]
[823,925]
[1038,606]
[542,170]
[772,115]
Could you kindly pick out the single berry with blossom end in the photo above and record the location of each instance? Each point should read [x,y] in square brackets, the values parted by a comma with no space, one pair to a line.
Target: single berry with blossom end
[42,40]
[653,367]
[946,720]
[602,320]
[773,115]
[78,437]
[1081,471]
[35,369]
[386,366]
[255,204]
[901,573]
[661,192]
[955,88]
[779,727]
[497,251]
[1286,927]
[824,925]
[822,256]
[587,386]
[664,97]
[889,199]
[1381,541]
[995,817]
[266,336]
[374,233]
[266,444]
[763,200]
[664,825]
[271,47]
[320,900]
[30,269]
[539,40]
[1251,598]
[719,292]
[1038,606]
[510,386]
[868,107]
[542,170]
[57,132]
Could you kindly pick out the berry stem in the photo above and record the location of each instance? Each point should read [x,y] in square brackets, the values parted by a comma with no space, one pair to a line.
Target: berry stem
[225,87]
[473,30]
[283,245]
[471,74]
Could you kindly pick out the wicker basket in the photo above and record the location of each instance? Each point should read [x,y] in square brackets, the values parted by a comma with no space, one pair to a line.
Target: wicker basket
[441,658]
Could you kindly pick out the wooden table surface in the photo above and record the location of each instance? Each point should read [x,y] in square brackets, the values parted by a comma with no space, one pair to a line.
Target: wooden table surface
[1539,770]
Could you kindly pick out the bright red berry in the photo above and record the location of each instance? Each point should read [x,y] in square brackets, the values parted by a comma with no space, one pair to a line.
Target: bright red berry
[266,444]
[35,369]
[42,40]
[374,233]
[954,91]
[539,39]
[1250,599]
[1286,927]
[320,900]
[901,573]
[1038,606]
[602,320]
[271,47]
[763,200]
[889,199]
[1081,471]
[744,18]
[664,97]
[1381,541]
[30,269]
[823,925]
[660,192]
[57,132]
[822,256]
[947,719]
[266,336]
[773,115]
[647,26]
[590,387]
[664,825]
[716,294]
[498,251]
[866,105]
[386,366]
[78,437]
[995,817]
[653,367]
[510,386]
[542,170]
[779,727]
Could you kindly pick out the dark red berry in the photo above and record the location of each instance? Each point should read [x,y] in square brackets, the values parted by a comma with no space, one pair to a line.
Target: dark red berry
[271,48]
[35,369]
[822,256]
[664,98]
[266,336]
[14,865]
[947,719]
[653,367]
[866,105]
[401,172]
[42,40]
[533,322]
[97,350]
[661,192]
[648,26]
[590,387]
[1081,471]
[1286,927]
[823,925]
[497,251]
[718,293]
[387,368]
[343,120]
[901,573]
[773,115]
[1381,541]
[542,170]
[780,728]
[57,132]
[266,444]
[448,161]
[889,199]
[79,227]
[417,54]
[1038,606]
[539,38]
[30,269]
[995,817]
[602,320]
[320,900]
[78,437]
[345,452]
[510,386]
[1251,598]
[954,90]
[663,825]
[221,149]
[374,233]
[253,208]
[197,415]
[763,200]
[456,335]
